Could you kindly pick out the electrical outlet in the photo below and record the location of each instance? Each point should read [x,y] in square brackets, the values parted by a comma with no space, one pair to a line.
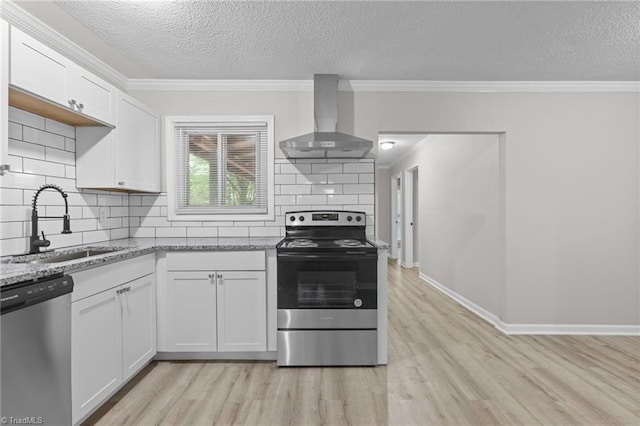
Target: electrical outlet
[104,212]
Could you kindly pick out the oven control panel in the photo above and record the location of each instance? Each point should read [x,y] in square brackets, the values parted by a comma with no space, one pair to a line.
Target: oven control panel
[325,218]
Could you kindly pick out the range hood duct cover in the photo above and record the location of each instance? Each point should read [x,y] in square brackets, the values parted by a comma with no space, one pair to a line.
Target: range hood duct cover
[325,141]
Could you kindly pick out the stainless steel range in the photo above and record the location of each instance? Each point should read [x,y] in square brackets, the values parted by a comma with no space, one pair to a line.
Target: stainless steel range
[327,290]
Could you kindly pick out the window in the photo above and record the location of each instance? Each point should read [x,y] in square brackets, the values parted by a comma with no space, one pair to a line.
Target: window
[220,168]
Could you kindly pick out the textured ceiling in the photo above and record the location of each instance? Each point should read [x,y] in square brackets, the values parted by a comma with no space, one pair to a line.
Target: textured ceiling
[371,40]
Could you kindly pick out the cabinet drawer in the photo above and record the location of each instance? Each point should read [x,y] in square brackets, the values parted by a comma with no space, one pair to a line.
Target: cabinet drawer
[101,278]
[216,260]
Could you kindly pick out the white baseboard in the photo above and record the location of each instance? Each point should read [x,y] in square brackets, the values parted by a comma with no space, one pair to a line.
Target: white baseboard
[545,329]
[570,329]
[481,312]
[416,264]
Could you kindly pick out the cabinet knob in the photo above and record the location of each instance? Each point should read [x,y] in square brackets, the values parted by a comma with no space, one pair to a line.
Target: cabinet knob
[121,183]
[80,106]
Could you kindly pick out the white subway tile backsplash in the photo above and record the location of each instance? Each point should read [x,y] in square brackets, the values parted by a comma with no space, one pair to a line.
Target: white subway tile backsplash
[26,149]
[366,199]
[171,232]
[366,178]
[22,180]
[116,234]
[43,151]
[70,172]
[15,163]
[14,213]
[285,179]
[119,211]
[187,224]
[360,188]
[142,232]
[295,189]
[110,223]
[237,231]
[311,179]
[358,168]
[342,199]
[135,200]
[154,221]
[266,231]
[58,128]
[95,236]
[60,156]
[15,131]
[295,168]
[26,118]
[110,200]
[41,137]
[70,144]
[285,199]
[327,168]
[11,229]
[205,232]
[10,196]
[342,178]
[311,199]
[144,211]
[40,167]
[326,189]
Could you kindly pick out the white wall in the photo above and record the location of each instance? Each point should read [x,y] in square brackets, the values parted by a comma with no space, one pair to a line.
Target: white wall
[458,211]
[572,190]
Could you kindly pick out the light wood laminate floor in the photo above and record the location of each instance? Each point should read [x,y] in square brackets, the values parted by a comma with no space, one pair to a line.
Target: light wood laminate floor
[446,367]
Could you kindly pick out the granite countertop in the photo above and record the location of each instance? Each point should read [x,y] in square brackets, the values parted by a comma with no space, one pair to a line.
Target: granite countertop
[15,269]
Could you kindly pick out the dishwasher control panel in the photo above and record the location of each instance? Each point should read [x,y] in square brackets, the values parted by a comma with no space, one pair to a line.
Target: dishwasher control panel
[24,294]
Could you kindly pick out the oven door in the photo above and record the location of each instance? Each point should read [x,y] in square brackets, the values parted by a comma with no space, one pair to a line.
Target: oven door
[327,281]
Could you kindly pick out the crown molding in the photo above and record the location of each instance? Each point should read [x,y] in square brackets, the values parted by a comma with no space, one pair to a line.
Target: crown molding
[221,85]
[17,16]
[488,86]
[388,85]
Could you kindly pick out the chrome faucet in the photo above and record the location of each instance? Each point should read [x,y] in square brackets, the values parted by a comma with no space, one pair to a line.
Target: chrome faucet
[34,241]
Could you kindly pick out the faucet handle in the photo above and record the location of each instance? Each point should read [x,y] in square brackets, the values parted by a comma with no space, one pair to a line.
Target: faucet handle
[44,242]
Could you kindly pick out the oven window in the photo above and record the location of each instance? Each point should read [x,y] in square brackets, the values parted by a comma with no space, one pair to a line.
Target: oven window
[322,288]
[339,283]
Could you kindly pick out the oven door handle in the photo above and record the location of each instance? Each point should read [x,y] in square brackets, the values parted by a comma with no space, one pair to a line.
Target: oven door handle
[347,256]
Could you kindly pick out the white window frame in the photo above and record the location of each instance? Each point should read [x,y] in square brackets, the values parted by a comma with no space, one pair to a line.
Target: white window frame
[170,145]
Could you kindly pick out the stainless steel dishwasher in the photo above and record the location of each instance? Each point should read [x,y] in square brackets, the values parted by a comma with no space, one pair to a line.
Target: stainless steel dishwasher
[36,351]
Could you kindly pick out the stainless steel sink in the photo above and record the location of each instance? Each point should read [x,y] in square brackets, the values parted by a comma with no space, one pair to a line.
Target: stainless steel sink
[72,256]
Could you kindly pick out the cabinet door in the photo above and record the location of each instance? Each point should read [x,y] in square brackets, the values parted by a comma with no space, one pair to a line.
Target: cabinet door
[242,314]
[138,324]
[138,147]
[38,69]
[191,312]
[96,350]
[93,95]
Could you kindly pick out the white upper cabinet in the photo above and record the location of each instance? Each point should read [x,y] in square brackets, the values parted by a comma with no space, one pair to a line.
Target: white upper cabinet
[41,71]
[126,158]
[91,95]
[137,146]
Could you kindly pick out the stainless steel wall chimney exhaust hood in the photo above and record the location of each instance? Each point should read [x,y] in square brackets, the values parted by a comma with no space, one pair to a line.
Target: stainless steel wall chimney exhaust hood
[325,141]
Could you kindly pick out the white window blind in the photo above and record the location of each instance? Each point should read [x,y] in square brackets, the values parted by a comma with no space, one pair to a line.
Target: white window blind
[222,167]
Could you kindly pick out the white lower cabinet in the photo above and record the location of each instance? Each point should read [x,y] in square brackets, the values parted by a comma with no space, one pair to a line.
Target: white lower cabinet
[96,351]
[191,313]
[113,330]
[214,310]
[138,304]
[242,311]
